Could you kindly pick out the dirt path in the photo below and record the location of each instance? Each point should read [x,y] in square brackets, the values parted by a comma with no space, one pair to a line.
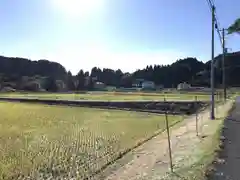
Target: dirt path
[151,160]
[230,155]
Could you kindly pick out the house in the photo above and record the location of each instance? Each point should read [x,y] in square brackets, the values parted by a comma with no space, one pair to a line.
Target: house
[144,84]
[148,85]
[88,79]
[183,86]
[99,85]
[138,83]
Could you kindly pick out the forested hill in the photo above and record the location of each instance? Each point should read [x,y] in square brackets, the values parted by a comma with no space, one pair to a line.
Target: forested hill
[24,74]
[24,67]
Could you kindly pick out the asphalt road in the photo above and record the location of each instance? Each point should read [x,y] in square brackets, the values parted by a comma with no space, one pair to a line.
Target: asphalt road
[228,163]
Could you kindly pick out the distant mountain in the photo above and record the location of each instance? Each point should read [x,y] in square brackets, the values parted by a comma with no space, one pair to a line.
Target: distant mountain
[232,69]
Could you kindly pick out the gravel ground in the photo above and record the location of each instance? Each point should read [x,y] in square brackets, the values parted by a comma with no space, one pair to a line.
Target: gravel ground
[227,165]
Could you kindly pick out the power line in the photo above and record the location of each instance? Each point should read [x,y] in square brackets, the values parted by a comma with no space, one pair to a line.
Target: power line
[216,26]
[211,5]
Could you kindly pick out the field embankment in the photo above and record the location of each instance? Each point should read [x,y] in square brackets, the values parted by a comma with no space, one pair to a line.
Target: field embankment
[113,96]
[160,107]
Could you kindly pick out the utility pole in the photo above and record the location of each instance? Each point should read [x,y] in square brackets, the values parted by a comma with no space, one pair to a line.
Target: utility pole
[223,65]
[212,65]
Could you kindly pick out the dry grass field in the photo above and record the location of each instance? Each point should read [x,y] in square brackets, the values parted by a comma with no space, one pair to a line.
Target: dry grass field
[112,96]
[42,141]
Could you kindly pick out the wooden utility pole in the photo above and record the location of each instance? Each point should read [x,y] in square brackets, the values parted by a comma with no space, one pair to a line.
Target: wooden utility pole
[212,65]
[223,65]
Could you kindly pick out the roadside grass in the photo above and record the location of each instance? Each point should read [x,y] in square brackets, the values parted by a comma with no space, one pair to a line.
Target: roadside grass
[112,96]
[204,154]
[41,141]
[197,171]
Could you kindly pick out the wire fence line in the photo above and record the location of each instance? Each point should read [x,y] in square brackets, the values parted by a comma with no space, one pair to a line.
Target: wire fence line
[180,146]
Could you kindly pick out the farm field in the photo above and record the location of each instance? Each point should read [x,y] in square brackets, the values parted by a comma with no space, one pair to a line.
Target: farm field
[40,141]
[112,96]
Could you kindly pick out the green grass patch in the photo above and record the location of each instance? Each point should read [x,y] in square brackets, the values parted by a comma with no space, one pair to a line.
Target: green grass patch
[40,141]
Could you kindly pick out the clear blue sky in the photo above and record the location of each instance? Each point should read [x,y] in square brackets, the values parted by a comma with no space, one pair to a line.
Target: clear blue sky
[126,34]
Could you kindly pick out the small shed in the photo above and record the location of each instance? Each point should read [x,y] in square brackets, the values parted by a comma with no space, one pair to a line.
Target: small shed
[148,85]
[183,86]
[99,85]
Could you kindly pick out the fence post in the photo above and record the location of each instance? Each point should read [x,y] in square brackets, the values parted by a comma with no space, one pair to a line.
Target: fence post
[196,115]
[216,107]
[169,142]
[202,124]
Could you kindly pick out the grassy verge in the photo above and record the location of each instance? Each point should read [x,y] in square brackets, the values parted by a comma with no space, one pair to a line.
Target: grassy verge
[197,170]
[41,141]
[206,153]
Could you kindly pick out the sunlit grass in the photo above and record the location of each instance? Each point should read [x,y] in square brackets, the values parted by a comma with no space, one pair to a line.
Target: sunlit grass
[111,96]
[41,141]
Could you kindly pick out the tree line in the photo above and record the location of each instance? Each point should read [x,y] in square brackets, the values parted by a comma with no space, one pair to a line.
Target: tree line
[44,75]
